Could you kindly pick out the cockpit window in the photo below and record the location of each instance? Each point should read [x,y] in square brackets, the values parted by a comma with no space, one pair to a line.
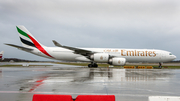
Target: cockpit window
[170,54]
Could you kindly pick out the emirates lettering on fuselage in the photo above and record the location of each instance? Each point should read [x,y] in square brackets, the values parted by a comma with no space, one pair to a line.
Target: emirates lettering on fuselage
[137,53]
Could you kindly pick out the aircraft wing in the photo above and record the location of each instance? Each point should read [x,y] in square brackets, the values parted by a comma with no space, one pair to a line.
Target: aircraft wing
[76,50]
[19,47]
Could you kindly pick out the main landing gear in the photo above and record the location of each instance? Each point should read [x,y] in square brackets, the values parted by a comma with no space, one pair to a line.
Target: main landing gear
[92,65]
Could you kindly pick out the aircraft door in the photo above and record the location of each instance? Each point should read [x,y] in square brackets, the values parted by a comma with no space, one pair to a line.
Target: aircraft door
[163,55]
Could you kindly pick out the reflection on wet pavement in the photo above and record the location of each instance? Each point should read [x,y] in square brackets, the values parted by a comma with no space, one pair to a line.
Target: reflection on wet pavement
[126,84]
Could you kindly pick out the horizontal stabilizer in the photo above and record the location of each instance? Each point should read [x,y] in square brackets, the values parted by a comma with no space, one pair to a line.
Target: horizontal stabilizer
[20,47]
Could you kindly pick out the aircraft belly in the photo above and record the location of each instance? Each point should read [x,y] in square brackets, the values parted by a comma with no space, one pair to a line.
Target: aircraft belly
[66,56]
[82,58]
[142,59]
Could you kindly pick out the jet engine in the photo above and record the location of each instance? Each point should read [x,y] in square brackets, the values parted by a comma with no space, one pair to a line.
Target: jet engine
[117,61]
[100,57]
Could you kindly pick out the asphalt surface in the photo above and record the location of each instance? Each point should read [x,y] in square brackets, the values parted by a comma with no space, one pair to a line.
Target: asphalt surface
[20,83]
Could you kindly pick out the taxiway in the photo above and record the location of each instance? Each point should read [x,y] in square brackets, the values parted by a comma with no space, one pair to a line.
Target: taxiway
[20,83]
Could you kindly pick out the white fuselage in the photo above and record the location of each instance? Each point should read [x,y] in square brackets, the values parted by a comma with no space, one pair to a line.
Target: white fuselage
[131,55]
[94,55]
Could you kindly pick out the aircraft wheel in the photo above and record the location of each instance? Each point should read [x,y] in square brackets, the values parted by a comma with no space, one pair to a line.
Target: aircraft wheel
[89,65]
[95,65]
[92,65]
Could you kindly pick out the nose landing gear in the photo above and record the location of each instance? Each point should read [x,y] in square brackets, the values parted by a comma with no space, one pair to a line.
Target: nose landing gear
[160,65]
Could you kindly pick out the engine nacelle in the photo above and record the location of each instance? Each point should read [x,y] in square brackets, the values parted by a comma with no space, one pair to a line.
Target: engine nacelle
[117,61]
[100,57]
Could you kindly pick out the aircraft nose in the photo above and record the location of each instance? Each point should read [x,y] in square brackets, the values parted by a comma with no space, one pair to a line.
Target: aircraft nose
[174,57]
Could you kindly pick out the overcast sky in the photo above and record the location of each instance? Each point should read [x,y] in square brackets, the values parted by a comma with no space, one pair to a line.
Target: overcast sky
[147,24]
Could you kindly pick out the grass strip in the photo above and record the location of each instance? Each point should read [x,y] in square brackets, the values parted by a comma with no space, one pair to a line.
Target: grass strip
[107,65]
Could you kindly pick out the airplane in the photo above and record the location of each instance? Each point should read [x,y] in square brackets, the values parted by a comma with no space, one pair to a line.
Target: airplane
[110,56]
[1,54]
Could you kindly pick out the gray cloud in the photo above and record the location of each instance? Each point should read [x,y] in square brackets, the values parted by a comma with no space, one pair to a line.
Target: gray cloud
[92,23]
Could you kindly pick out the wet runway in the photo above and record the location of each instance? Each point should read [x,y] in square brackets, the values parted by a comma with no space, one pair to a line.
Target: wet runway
[20,83]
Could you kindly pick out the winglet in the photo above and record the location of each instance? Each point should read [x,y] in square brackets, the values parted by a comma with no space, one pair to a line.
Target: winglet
[56,43]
